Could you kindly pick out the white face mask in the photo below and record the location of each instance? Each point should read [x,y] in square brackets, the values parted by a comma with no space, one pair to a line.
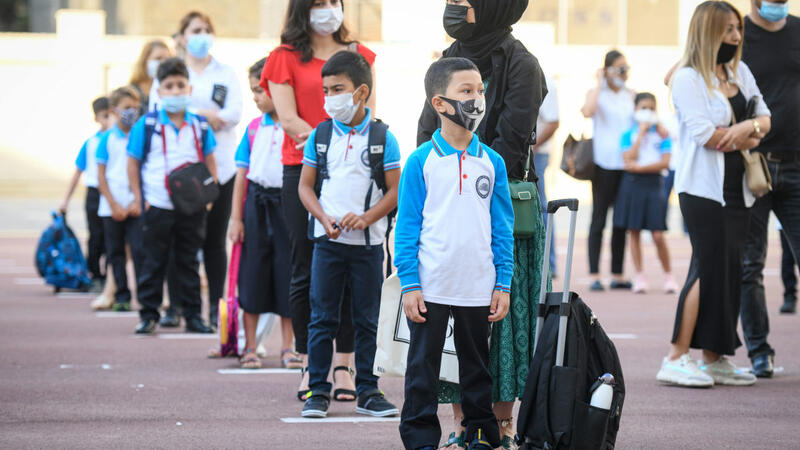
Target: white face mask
[341,107]
[646,116]
[152,68]
[618,83]
[326,21]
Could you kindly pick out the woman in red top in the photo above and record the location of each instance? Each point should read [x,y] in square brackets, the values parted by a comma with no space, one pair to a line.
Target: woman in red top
[312,33]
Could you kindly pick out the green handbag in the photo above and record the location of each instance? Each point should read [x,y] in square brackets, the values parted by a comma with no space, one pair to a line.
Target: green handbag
[525,210]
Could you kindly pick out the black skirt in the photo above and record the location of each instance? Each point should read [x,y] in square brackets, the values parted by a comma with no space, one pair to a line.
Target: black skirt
[265,269]
[640,202]
[718,236]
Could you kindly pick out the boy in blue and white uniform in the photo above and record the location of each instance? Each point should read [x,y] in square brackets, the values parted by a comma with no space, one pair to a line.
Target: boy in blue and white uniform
[186,135]
[356,180]
[116,201]
[85,165]
[455,246]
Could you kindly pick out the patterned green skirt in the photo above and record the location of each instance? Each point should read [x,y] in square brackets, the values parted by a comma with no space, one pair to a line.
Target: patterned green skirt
[511,344]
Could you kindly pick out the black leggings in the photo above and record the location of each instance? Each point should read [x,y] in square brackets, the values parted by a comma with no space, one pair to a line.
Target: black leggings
[605,186]
[302,250]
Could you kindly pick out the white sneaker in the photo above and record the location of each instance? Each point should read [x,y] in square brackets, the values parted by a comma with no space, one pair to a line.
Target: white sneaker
[683,372]
[103,302]
[725,372]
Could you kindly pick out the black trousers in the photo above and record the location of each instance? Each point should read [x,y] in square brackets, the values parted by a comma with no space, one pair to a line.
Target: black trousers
[788,274]
[215,254]
[302,249]
[117,234]
[162,229]
[97,243]
[605,186]
[419,424]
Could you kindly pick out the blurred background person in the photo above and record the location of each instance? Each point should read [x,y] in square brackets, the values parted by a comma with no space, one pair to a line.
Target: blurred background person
[546,126]
[144,71]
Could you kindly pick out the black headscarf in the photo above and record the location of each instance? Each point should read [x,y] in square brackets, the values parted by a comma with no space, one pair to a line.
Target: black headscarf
[493,20]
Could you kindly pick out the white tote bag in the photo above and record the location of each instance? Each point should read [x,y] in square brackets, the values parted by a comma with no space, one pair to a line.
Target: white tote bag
[394,335]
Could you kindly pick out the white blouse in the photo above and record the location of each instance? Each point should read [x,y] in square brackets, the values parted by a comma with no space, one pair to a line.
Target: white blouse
[701,171]
[613,117]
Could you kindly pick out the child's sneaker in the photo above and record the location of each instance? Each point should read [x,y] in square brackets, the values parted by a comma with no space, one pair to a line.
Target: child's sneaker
[725,372]
[373,403]
[640,284]
[316,406]
[683,372]
[479,443]
[102,302]
[670,287]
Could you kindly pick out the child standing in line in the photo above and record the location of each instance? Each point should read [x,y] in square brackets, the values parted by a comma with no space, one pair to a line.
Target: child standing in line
[258,223]
[120,226]
[176,137]
[641,205]
[85,164]
[455,246]
[351,168]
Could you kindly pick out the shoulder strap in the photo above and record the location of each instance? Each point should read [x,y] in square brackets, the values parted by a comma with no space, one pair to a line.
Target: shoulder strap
[252,129]
[150,120]
[377,145]
[203,137]
[322,140]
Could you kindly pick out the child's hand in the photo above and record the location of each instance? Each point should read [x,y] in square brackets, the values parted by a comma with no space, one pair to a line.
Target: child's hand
[662,131]
[62,208]
[332,230]
[414,306]
[644,127]
[499,307]
[135,209]
[236,231]
[631,166]
[118,213]
[352,221]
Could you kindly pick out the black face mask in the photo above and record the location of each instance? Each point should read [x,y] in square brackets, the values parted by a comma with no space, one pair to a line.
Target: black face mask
[455,22]
[469,113]
[726,53]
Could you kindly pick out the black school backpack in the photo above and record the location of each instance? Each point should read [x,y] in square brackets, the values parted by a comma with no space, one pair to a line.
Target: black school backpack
[376,143]
[555,411]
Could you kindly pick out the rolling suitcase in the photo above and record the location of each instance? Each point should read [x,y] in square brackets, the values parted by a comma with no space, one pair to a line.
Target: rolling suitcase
[571,353]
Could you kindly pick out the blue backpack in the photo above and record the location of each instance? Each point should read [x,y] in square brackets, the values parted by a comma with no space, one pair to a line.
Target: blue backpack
[59,258]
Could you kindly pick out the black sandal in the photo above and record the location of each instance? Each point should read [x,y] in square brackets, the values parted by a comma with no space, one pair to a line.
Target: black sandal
[301,395]
[338,392]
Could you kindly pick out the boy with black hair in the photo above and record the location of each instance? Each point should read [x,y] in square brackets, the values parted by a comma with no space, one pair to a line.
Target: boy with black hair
[160,143]
[351,168]
[85,165]
[120,227]
[454,223]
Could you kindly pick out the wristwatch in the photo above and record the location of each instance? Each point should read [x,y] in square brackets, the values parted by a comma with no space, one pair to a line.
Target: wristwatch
[756,127]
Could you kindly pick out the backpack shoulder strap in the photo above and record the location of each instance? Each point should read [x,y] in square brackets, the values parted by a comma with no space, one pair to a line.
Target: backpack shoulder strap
[203,123]
[252,130]
[322,140]
[150,121]
[377,144]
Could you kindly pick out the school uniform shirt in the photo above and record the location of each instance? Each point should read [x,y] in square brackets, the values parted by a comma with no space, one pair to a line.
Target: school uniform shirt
[85,162]
[548,112]
[652,147]
[701,171]
[112,152]
[455,223]
[217,89]
[181,149]
[263,160]
[613,117]
[285,65]
[350,178]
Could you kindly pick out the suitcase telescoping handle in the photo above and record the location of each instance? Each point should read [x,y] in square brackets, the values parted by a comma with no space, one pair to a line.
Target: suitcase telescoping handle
[552,208]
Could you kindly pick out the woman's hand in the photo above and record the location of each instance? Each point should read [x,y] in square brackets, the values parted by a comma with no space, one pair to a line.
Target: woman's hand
[600,75]
[213,119]
[236,231]
[735,138]
[301,140]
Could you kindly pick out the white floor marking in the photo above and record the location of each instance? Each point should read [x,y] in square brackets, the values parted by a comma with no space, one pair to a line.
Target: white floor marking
[17,270]
[622,336]
[114,315]
[256,371]
[187,336]
[28,281]
[66,366]
[75,295]
[339,419]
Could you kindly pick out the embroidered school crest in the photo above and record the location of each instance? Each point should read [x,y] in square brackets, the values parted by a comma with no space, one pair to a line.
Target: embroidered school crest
[365,157]
[482,186]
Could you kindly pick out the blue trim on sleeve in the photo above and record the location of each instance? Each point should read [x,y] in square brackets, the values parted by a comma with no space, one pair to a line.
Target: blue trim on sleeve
[666,146]
[242,156]
[80,161]
[310,150]
[411,201]
[101,155]
[626,142]
[210,143]
[391,153]
[502,214]
[136,140]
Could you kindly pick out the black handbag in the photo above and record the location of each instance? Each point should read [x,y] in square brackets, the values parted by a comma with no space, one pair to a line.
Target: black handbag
[191,186]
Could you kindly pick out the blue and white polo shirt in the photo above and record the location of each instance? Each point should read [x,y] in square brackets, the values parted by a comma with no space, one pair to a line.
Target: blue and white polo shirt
[348,167]
[455,225]
[85,161]
[263,161]
[652,148]
[112,152]
[181,149]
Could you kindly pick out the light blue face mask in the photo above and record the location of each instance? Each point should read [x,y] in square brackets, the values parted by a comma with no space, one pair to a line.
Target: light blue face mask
[774,12]
[176,103]
[198,45]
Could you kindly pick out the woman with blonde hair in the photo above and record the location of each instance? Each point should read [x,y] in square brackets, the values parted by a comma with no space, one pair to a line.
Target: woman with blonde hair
[711,90]
[144,71]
